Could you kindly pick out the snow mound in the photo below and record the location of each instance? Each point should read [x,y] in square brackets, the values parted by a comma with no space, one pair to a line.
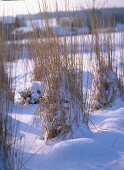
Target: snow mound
[82,153]
[32,93]
[113,124]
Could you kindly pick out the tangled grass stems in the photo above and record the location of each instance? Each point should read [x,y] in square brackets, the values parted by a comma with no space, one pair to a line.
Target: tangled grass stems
[10,156]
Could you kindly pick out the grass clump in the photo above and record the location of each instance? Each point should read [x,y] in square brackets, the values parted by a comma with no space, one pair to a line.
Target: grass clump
[105,82]
[64,104]
[104,88]
[9,156]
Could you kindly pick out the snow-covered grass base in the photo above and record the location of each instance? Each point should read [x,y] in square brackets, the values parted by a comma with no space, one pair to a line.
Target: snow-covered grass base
[62,105]
[104,88]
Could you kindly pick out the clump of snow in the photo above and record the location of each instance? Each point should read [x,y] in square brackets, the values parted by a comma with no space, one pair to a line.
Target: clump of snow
[104,88]
[32,93]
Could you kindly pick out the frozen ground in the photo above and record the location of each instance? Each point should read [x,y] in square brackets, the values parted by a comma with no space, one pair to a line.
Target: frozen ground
[101,147]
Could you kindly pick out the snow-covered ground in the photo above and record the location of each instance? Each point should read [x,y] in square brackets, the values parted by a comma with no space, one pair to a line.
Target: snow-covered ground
[100,147]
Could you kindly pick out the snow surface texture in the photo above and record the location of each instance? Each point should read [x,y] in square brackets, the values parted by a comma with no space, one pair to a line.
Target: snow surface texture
[104,88]
[32,93]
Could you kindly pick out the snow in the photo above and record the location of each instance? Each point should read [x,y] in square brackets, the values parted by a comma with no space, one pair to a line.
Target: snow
[74,154]
[22,30]
[100,147]
[38,23]
[21,76]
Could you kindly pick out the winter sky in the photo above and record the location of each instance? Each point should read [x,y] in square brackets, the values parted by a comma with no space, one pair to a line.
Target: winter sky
[20,7]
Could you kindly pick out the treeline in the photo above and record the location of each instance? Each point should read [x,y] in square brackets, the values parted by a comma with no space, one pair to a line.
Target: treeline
[102,19]
[108,17]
